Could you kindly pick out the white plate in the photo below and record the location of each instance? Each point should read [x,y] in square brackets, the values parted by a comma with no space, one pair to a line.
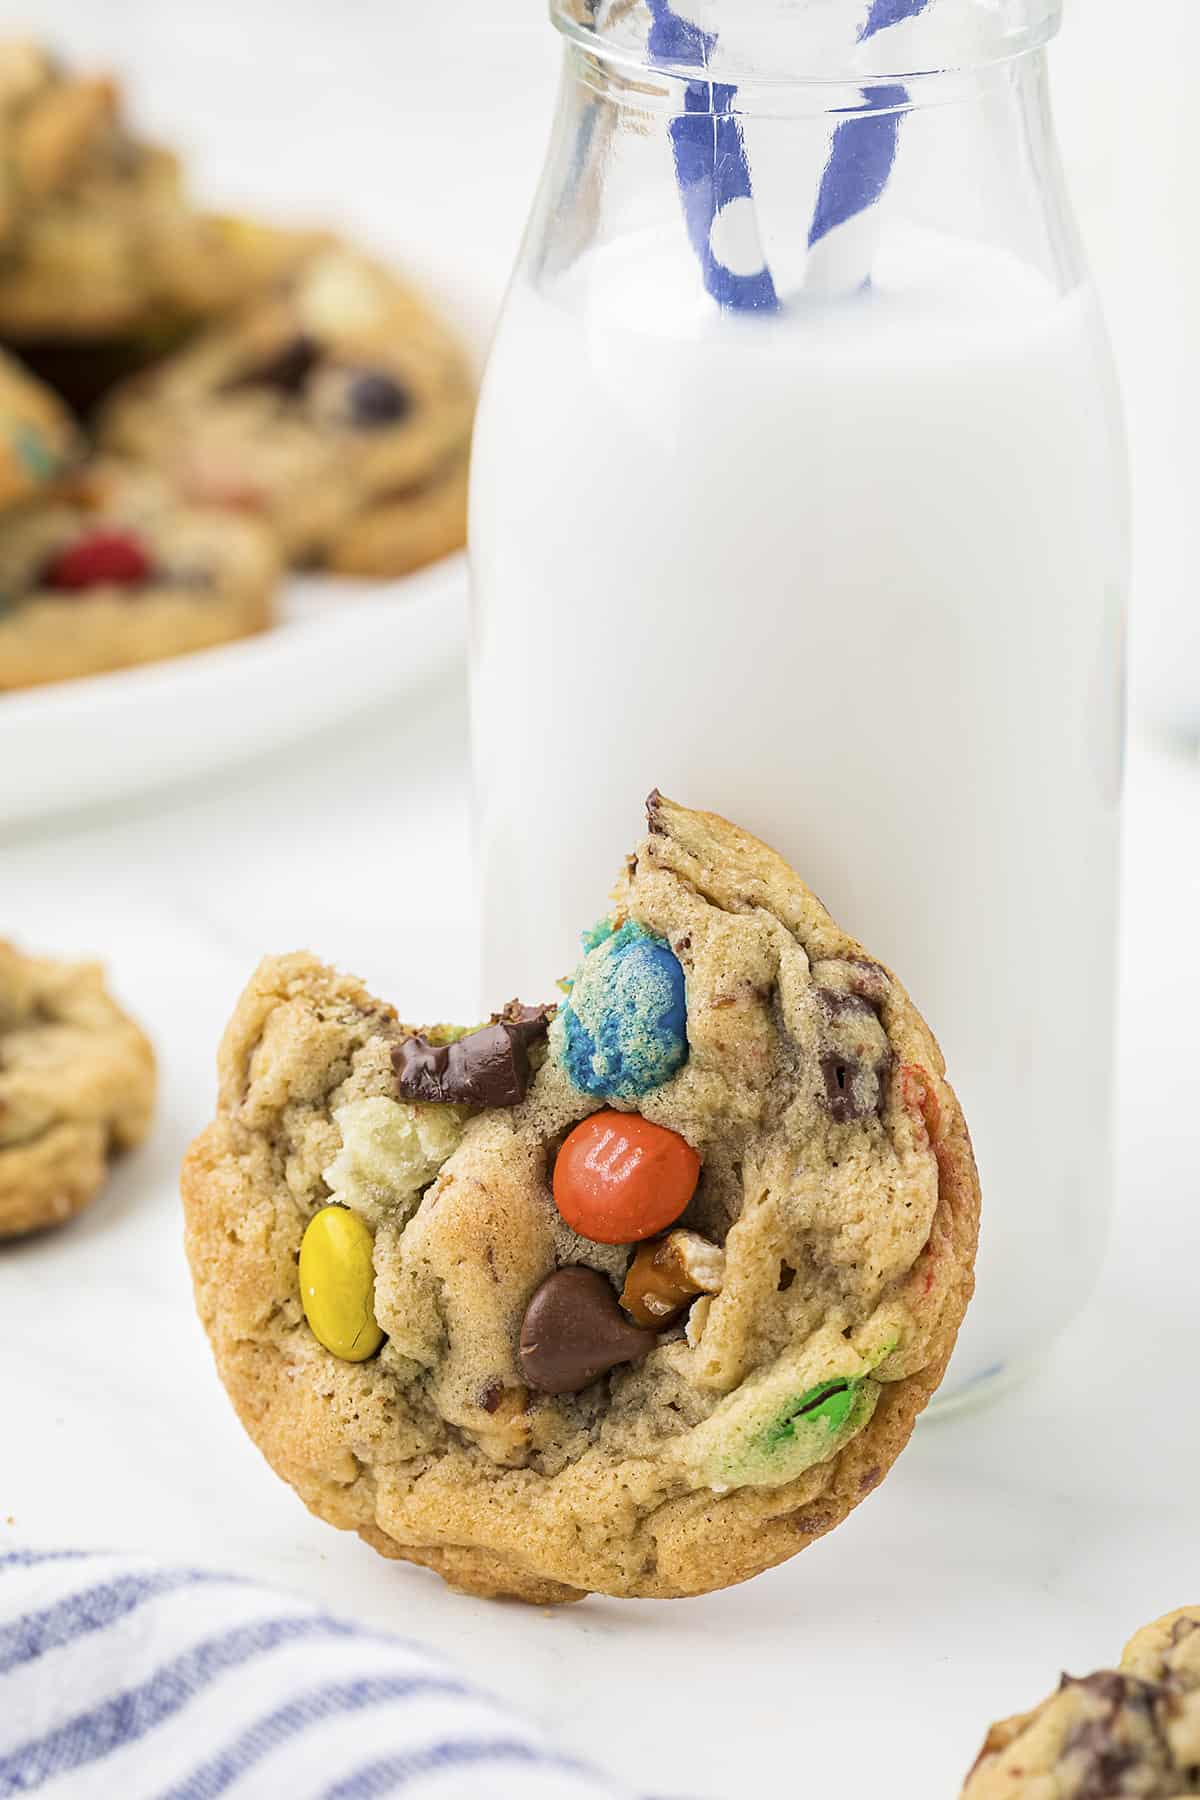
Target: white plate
[341,646]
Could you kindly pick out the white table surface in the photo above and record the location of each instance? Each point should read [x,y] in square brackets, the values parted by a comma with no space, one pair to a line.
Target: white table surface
[1007,1544]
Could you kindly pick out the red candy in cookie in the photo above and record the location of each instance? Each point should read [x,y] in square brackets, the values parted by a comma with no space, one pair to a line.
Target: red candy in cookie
[103,558]
[619,1178]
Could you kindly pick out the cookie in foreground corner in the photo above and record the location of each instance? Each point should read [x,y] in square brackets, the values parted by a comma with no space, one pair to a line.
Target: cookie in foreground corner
[1133,1731]
[637,1296]
[77,1083]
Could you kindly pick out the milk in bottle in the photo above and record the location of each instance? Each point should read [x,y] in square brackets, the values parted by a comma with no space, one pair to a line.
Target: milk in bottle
[851,573]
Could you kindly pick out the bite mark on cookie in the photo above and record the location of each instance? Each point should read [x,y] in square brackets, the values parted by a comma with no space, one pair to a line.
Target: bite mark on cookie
[581,1410]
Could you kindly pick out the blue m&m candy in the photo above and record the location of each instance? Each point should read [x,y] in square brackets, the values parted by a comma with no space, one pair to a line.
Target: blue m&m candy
[624,1029]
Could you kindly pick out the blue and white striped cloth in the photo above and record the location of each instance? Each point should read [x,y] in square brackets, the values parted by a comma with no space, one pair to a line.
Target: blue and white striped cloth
[124,1678]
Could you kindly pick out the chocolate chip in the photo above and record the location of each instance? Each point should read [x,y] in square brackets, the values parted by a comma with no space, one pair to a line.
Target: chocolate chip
[488,1067]
[287,371]
[839,1090]
[653,803]
[811,1521]
[376,400]
[505,1404]
[853,1090]
[574,1331]
[868,978]
[856,1063]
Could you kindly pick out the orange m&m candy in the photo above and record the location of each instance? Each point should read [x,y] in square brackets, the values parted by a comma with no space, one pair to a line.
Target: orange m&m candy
[619,1178]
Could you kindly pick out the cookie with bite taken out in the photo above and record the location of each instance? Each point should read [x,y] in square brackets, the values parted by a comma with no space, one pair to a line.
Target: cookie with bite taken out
[638,1295]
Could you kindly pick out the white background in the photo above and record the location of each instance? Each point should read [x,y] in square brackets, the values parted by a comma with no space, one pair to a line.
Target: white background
[1006,1544]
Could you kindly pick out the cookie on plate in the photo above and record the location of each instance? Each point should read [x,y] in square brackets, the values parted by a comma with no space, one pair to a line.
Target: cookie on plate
[337,407]
[125,274]
[209,263]
[409,528]
[1132,1731]
[88,264]
[187,269]
[52,123]
[76,1087]
[639,1298]
[38,437]
[112,570]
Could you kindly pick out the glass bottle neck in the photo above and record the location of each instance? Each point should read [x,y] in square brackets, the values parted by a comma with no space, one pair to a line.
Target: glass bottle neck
[762,196]
[781,43]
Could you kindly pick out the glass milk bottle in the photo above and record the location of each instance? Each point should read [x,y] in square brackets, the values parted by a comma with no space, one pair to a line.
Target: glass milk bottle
[799,492]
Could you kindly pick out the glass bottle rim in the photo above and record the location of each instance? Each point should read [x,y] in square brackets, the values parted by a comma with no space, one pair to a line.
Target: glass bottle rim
[615,33]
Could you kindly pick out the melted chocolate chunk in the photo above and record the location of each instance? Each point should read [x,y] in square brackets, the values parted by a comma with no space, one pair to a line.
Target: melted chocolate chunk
[529,1022]
[287,372]
[376,400]
[1106,1767]
[1104,1760]
[574,1331]
[488,1067]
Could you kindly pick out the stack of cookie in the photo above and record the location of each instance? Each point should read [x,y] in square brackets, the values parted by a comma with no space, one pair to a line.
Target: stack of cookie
[253,397]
